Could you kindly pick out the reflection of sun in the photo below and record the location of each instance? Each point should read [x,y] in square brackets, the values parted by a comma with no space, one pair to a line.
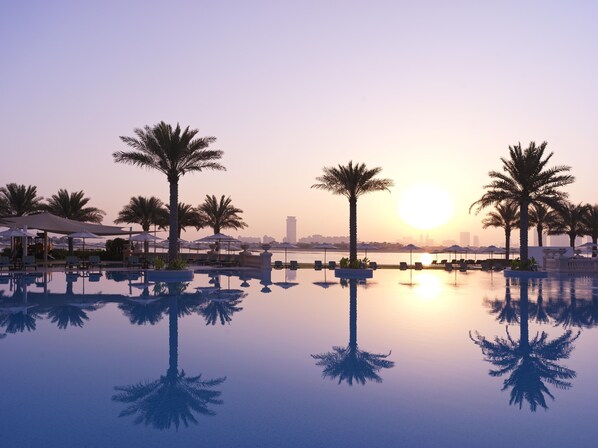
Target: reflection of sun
[426,259]
[428,286]
[425,206]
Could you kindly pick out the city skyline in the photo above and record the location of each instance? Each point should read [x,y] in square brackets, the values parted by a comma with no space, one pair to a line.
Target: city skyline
[438,94]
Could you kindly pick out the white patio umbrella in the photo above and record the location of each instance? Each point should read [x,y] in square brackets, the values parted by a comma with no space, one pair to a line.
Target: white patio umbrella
[15,233]
[286,246]
[410,248]
[143,237]
[84,234]
[588,246]
[217,238]
[365,247]
[325,246]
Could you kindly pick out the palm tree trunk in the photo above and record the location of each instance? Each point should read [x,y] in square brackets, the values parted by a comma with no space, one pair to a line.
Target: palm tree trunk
[572,240]
[173,338]
[507,243]
[540,231]
[173,220]
[352,230]
[353,314]
[594,241]
[70,240]
[523,227]
[524,310]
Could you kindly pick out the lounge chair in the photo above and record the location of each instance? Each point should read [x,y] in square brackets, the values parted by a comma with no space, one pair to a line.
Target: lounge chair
[278,264]
[29,262]
[4,263]
[403,266]
[418,266]
[434,262]
[448,266]
[463,266]
[373,265]
[318,265]
[332,264]
[72,262]
[294,265]
[94,262]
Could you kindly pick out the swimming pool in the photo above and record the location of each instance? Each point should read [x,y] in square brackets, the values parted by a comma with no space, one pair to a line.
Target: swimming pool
[301,359]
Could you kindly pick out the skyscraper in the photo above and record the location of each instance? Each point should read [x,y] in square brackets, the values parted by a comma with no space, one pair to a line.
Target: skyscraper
[464,239]
[292,229]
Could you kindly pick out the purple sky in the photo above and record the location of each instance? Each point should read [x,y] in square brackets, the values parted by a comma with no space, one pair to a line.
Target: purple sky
[434,92]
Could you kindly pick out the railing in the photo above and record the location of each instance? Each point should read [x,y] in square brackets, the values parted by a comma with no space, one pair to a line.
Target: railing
[573,264]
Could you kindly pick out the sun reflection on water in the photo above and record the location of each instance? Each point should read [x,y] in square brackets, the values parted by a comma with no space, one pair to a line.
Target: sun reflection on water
[428,286]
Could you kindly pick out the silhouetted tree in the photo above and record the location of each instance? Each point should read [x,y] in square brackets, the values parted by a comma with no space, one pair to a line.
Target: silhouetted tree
[19,200]
[543,218]
[220,214]
[145,212]
[506,217]
[570,221]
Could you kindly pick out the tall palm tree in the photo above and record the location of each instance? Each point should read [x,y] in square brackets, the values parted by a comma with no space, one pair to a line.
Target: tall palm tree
[145,212]
[19,200]
[73,206]
[352,181]
[543,218]
[525,180]
[590,222]
[220,214]
[174,153]
[570,221]
[350,363]
[174,398]
[505,216]
[530,363]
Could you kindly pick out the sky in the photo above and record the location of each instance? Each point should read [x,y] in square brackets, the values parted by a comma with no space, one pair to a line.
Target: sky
[434,92]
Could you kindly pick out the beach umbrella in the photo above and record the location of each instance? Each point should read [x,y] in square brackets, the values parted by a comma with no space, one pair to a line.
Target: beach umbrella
[143,237]
[325,246]
[15,233]
[83,234]
[455,248]
[588,246]
[217,238]
[365,247]
[491,250]
[286,246]
[410,248]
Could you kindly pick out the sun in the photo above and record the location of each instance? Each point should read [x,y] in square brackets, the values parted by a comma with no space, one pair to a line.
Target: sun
[425,206]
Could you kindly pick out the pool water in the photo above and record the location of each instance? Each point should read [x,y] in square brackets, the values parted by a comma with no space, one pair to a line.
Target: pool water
[298,359]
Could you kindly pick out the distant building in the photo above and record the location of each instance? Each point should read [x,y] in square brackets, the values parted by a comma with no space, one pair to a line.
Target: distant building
[464,239]
[250,239]
[476,241]
[291,229]
[268,239]
[324,239]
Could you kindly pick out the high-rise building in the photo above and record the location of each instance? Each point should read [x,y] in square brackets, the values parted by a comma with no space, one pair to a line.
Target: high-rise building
[464,239]
[476,241]
[291,229]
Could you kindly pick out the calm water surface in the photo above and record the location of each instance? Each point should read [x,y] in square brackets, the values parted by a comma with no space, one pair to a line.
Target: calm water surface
[410,359]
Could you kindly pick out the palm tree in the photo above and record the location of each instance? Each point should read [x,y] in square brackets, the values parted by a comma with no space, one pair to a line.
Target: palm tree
[530,363]
[174,398]
[73,206]
[174,153]
[590,222]
[19,200]
[543,218]
[188,217]
[570,220]
[220,214]
[526,180]
[352,181]
[349,363]
[145,212]
[506,216]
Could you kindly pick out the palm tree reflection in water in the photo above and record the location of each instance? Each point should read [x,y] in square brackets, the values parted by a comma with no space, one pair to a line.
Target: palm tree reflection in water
[350,364]
[530,364]
[174,398]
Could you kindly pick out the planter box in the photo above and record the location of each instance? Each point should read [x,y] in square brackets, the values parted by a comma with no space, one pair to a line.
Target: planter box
[184,275]
[525,274]
[353,273]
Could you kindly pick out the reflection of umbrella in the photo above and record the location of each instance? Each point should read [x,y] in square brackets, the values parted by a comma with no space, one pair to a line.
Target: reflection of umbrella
[83,235]
[325,246]
[325,284]
[365,247]
[286,246]
[286,284]
[410,248]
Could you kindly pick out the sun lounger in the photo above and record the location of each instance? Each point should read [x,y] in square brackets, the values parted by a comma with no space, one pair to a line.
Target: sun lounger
[278,264]
[294,265]
[463,267]
[72,262]
[373,265]
[332,264]
[94,262]
[403,266]
[448,266]
[29,262]
[318,265]
[418,266]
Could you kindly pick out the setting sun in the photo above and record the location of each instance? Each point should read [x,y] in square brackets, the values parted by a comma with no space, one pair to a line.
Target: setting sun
[425,206]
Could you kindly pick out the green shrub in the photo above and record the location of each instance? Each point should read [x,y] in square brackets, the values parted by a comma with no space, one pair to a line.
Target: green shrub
[158,263]
[518,265]
[177,264]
